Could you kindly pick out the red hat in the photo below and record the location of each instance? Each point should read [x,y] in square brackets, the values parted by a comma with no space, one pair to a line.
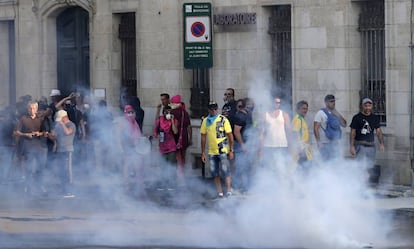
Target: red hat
[176,99]
[128,108]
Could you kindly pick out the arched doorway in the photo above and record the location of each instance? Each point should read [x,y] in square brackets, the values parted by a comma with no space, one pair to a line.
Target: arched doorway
[72,28]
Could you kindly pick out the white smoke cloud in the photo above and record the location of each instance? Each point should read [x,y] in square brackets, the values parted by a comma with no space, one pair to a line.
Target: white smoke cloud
[331,207]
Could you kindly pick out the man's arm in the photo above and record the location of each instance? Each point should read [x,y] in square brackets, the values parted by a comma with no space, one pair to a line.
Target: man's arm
[342,120]
[203,147]
[380,139]
[231,144]
[352,142]
[59,104]
[68,131]
[238,136]
[288,127]
[316,126]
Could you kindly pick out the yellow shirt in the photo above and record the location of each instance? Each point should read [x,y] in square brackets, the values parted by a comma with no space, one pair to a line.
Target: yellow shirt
[217,135]
[300,127]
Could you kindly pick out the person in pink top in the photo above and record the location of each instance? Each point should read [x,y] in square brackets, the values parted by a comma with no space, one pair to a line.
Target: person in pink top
[130,134]
[166,127]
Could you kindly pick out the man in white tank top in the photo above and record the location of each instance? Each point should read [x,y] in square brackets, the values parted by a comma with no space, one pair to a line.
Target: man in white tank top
[277,130]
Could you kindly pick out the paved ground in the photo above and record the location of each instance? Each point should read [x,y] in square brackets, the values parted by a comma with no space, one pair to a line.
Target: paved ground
[105,217]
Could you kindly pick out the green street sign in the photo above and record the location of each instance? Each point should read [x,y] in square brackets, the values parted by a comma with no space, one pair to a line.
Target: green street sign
[198,49]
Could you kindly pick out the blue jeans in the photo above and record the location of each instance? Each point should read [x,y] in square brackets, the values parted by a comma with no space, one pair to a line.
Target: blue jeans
[242,174]
[219,160]
[330,151]
[365,154]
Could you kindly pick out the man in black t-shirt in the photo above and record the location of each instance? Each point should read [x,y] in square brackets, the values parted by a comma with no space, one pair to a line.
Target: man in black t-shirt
[229,108]
[362,140]
[243,153]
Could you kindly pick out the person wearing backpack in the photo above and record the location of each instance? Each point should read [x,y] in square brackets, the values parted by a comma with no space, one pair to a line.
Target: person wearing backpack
[327,125]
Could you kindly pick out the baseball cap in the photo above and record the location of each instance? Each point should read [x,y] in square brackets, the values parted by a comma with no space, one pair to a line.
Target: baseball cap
[212,105]
[366,100]
[60,114]
[329,97]
[54,92]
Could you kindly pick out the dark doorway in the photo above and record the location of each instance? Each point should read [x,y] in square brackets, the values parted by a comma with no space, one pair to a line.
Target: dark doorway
[73,50]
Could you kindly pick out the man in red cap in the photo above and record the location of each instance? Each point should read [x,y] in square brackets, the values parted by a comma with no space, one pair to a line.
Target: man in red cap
[184,136]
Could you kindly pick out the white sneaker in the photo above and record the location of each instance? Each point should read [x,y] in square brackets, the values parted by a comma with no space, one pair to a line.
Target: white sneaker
[68,195]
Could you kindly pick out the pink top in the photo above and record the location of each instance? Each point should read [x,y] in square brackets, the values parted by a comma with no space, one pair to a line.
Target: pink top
[169,144]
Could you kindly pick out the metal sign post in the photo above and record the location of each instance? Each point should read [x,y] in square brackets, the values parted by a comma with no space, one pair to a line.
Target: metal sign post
[198,49]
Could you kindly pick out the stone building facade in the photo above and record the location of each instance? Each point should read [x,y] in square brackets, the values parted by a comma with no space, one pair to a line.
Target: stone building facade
[307,48]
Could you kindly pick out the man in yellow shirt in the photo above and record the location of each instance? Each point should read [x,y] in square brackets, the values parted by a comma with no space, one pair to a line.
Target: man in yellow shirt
[301,132]
[217,129]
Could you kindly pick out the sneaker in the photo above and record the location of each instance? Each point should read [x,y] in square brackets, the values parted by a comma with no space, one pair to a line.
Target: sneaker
[68,195]
[170,189]
[219,196]
[229,193]
[160,189]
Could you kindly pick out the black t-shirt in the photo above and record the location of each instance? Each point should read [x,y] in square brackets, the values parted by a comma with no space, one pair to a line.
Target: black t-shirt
[365,126]
[229,111]
[245,121]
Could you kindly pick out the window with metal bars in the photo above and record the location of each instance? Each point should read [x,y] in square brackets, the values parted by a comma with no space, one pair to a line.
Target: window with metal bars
[372,30]
[127,35]
[200,92]
[280,30]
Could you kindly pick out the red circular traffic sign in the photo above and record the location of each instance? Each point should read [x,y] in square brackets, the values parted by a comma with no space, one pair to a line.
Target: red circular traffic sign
[198,29]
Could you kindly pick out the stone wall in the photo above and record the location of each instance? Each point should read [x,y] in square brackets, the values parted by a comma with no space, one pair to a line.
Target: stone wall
[325,49]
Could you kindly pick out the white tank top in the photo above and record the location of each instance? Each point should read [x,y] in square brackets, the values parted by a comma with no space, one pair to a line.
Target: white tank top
[275,135]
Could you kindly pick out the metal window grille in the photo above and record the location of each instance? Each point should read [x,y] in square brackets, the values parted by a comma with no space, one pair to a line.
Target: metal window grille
[280,30]
[200,92]
[372,30]
[12,63]
[127,35]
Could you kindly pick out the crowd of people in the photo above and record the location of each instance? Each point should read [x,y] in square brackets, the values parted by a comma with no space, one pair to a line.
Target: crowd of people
[72,136]
[242,139]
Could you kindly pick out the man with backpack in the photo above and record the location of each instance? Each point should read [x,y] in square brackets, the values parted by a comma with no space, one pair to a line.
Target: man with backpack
[327,129]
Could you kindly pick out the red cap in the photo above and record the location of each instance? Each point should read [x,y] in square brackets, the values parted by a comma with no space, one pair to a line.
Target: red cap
[176,99]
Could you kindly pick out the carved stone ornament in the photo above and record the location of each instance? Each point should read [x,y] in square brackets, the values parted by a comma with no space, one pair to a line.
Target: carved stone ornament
[89,5]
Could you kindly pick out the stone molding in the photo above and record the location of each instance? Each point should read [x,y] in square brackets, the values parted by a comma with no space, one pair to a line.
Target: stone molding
[50,6]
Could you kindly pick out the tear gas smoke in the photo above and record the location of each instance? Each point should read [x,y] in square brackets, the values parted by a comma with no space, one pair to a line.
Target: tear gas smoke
[326,208]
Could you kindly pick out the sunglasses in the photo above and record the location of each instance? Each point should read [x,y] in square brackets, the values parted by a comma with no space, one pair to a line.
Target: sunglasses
[228,94]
